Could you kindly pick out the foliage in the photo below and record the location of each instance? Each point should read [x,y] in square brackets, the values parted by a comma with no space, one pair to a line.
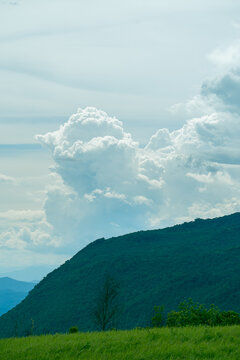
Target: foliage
[157,319]
[229,318]
[106,305]
[198,343]
[193,314]
[198,259]
[73,330]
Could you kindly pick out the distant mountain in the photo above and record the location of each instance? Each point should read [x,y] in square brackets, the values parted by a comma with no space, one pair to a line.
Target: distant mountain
[7,283]
[12,292]
[200,259]
[30,273]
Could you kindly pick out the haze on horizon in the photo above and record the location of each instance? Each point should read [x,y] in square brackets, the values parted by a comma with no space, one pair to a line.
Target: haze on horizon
[154,138]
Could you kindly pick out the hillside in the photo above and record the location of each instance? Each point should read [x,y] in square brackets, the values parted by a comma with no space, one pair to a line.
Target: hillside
[199,343]
[199,259]
[12,292]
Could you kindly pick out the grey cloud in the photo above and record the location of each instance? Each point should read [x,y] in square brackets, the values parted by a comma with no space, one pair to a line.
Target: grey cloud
[226,89]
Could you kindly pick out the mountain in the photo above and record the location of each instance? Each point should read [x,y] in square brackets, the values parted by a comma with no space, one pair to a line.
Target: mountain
[12,292]
[199,259]
[30,274]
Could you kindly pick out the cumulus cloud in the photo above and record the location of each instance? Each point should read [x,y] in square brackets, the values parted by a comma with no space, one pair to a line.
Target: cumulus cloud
[220,93]
[111,185]
[100,165]
[104,183]
[27,239]
[26,229]
[224,91]
[88,146]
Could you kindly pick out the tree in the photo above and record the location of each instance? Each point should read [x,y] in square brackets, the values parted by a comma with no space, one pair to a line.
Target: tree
[106,307]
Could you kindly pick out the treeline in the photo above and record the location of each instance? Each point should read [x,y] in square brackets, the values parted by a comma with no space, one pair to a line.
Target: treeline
[191,313]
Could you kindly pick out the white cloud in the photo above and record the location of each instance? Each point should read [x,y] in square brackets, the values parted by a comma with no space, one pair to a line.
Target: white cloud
[21,215]
[92,151]
[228,57]
[100,165]
[28,230]
[104,183]
[111,185]
[5,179]
[219,93]
[206,210]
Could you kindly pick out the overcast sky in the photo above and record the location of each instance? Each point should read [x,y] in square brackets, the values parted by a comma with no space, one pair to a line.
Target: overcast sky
[155,139]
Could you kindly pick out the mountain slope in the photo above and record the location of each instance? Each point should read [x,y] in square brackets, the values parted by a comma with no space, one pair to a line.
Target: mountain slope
[12,292]
[199,259]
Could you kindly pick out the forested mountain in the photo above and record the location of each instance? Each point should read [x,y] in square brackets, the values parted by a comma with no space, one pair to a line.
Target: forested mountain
[200,259]
[12,292]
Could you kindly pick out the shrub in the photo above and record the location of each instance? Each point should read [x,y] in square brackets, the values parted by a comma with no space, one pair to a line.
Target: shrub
[193,314]
[230,318]
[174,319]
[73,330]
[189,313]
[157,319]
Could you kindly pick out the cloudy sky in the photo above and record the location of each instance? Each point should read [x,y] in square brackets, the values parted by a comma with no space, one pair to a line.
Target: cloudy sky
[114,117]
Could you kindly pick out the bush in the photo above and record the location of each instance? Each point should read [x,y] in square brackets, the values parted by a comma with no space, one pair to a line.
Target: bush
[230,318]
[189,313]
[157,319]
[174,319]
[193,314]
[73,330]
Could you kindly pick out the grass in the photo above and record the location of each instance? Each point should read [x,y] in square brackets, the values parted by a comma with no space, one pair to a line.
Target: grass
[190,343]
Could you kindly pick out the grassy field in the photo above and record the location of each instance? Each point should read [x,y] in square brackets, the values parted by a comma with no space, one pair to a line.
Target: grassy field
[167,343]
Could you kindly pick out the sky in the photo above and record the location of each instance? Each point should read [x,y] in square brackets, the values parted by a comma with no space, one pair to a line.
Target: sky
[115,117]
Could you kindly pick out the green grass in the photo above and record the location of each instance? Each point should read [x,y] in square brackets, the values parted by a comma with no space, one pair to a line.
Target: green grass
[188,343]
